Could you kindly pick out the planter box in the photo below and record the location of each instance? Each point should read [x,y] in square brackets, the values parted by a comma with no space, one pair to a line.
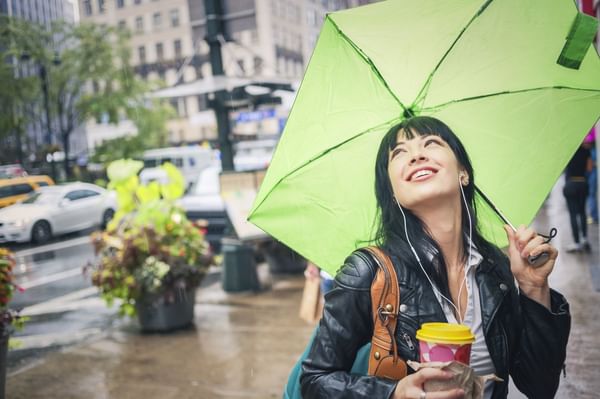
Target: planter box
[156,315]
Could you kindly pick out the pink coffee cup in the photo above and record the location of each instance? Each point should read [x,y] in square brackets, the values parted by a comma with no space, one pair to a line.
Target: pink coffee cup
[444,342]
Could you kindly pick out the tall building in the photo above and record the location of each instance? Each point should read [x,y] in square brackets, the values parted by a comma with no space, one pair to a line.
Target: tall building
[42,12]
[162,49]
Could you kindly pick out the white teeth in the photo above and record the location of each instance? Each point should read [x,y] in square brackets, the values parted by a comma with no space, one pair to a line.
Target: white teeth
[421,173]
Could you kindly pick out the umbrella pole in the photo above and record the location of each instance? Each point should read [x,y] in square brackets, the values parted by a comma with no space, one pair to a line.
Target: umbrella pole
[491,204]
[534,261]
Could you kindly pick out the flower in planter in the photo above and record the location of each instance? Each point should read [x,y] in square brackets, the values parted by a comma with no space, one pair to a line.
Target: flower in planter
[9,318]
[150,249]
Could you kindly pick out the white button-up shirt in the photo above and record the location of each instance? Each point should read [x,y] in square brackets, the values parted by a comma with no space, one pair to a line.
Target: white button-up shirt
[481,362]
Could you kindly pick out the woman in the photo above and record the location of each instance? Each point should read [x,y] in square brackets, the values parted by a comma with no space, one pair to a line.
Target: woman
[447,272]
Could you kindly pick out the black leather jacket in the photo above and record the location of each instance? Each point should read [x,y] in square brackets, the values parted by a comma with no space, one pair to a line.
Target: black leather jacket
[524,339]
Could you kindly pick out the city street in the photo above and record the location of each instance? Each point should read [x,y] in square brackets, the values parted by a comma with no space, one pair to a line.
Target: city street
[62,305]
[193,140]
[243,345]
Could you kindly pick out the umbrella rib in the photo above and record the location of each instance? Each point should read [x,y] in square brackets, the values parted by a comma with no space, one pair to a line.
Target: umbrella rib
[368,60]
[388,123]
[501,93]
[460,35]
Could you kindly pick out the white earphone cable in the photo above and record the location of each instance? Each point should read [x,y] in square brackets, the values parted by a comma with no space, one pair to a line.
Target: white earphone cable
[459,316]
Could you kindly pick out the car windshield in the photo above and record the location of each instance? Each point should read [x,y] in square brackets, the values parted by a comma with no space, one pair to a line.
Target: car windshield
[42,197]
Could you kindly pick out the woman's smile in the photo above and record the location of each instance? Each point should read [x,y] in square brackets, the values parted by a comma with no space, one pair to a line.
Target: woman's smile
[421,173]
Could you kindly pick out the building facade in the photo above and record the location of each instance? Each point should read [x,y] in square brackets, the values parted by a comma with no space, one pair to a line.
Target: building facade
[162,50]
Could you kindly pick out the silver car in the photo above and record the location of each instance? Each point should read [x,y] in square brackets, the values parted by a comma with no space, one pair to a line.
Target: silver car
[56,210]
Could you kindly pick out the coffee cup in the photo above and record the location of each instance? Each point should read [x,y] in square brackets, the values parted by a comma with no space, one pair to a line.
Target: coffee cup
[445,342]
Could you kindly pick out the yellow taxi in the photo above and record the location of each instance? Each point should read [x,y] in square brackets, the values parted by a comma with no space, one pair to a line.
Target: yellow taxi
[16,189]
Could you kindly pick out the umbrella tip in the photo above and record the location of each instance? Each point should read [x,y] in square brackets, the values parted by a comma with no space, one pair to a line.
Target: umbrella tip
[408,113]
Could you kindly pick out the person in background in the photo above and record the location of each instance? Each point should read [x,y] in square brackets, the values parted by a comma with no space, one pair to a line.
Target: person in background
[575,192]
[592,200]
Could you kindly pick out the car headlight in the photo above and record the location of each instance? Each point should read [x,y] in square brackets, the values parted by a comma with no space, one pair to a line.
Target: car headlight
[18,223]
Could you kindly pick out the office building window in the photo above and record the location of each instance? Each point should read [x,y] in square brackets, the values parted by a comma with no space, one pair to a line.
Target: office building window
[137,1]
[120,3]
[122,24]
[174,17]
[159,52]
[177,48]
[101,7]
[156,20]
[139,24]
[142,54]
[87,7]
[202,104]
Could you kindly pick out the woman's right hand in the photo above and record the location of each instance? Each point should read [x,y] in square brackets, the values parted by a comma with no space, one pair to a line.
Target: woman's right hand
[411,386]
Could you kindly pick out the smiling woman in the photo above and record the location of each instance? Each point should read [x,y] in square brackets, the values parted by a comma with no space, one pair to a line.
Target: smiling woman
[447,272]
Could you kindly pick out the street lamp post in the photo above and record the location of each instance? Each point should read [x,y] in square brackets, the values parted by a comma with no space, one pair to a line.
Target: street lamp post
[43,75]
[215,30]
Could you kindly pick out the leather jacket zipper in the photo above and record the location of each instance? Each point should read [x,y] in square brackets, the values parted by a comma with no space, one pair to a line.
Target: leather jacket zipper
[408,341]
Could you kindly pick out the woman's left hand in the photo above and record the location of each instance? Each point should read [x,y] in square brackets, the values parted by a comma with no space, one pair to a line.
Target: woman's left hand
[533,281]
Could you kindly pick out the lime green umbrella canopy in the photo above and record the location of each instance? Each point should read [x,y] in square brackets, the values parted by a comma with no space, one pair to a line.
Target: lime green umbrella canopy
[518,81]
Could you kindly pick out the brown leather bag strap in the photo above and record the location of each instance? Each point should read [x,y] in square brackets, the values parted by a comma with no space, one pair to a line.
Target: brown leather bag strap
[385,301]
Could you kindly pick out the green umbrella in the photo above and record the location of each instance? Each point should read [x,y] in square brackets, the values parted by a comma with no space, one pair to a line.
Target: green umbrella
[518,81]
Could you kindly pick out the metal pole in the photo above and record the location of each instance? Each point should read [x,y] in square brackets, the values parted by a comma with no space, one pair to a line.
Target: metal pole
[48,138]
[44,79]
[214,31]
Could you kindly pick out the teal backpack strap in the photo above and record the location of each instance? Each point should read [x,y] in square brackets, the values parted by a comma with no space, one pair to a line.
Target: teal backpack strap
[292,388]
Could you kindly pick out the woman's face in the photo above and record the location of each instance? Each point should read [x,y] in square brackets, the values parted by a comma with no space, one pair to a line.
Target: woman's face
[423,171]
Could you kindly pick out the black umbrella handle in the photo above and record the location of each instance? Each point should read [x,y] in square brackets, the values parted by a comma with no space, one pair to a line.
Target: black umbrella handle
[538,260]
[541,258]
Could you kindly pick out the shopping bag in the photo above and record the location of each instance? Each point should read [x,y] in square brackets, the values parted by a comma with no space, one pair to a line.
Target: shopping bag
[311,305]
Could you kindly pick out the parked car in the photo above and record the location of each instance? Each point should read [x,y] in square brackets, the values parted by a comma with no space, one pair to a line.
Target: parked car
[13,170]
[204,202]
[54,210]
[18,188]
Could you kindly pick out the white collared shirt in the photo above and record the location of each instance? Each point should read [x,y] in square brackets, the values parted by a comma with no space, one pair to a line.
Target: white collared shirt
[480,361]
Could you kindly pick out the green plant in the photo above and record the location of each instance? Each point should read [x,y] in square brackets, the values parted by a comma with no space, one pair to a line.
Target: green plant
[150,248]
[9,318]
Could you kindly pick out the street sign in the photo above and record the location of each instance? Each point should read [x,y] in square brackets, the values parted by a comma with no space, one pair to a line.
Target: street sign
[255,116]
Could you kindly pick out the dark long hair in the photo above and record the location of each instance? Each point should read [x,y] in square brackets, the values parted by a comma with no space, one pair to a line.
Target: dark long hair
[390,231]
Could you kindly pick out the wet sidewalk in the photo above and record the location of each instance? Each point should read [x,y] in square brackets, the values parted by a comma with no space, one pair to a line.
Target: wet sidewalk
[243,345]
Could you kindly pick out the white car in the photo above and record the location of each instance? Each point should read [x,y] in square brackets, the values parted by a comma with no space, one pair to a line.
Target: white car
[56,210]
